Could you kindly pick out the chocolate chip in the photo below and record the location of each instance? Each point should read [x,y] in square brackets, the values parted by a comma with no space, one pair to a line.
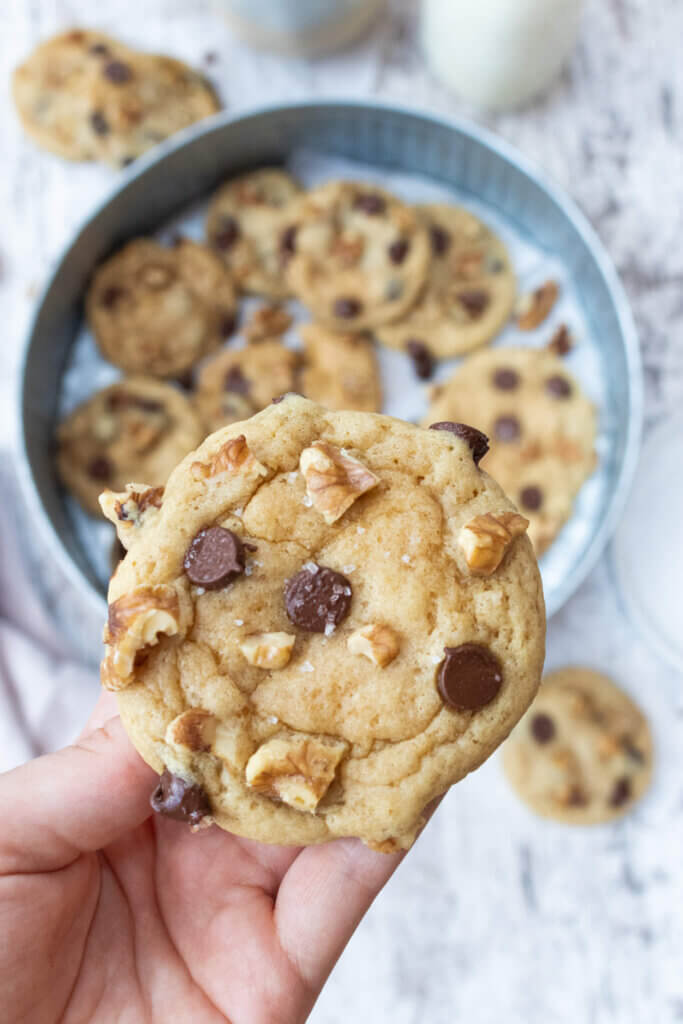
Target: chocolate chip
[507,428]
[632,751]
[288,241]
[111,296]
[370,203]
[398,250]
[495,266]
[478,442]
[117,72]
[531,498]
[210,57]
[180,800]
[100,468]
[99,50]
[127,161]
[235,380]
[423,361]
[214,558]
[227,233]
[469,677]
[475,301]
[577,797]
[558,387]
[393,290]
[228,324]
[185,380]
[346,308]
[99,123]
[440,239]
[561,341]
[505,379]
[542,728]
[621,792]
[317,599]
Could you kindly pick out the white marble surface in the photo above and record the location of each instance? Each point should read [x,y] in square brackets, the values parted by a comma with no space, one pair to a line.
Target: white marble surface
[496,916]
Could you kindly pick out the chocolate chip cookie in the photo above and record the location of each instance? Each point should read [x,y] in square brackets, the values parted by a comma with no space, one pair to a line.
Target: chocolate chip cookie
[541,425]
[136,429]
[340,371]
[234,384]
[249,226]
[583,752]
[470,291]
[331,618]
[358,257]
[157,310]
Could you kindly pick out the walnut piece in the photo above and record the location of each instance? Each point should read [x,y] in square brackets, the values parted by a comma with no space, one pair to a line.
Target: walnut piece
[485,539]
[137,620]
[193,730]
[268,650]
[267,322]
[131,509]
[533,308]
[234,457]
[334,479]
[377,642]
[295,769]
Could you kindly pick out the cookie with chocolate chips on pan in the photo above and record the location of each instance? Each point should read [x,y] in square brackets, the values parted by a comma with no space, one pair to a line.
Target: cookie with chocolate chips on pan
[340,370]
[331,618]
[541,425]
[583,753]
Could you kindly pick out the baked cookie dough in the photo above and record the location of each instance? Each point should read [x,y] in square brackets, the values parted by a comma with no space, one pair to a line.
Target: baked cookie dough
[331,618]
[249,225]
[359,256]
[470,292]
[340,371]
[540,424]
[157,310]
[137,428]
[86,96]
[583,752]
[235,383]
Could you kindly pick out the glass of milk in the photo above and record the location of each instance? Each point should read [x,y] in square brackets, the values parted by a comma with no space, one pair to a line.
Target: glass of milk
[299,27]
[498,54]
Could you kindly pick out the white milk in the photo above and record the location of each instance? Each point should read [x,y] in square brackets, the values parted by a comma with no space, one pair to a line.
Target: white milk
[299,27]
[499,54]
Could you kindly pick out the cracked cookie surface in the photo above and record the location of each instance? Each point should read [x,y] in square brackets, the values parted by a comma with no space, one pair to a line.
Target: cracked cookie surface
[583,752]
[302,631]
[541,426]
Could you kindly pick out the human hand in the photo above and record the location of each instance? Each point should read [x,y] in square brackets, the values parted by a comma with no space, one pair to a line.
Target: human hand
[109,913]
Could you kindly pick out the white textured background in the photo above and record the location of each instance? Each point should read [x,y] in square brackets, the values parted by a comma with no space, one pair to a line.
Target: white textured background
[496,916]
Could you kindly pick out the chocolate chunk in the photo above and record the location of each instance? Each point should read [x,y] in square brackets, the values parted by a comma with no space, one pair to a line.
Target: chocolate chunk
[185,380]
[561,341]
[288,241]
[117,72]
[505,379]
[531,498]
[370,203]
[469,677]
[558,387]
[111,296]
[398,250]
[507,428]
[99,123]
[576,797]
[423,361]
[542,728]
[621,792]
[440,239]
[346,308]
[228,324]
[180,800]
[227,234]
[98,50]
[235,380]
[475,301]
[100,468]
[317,599]
[478,442]
[214,558]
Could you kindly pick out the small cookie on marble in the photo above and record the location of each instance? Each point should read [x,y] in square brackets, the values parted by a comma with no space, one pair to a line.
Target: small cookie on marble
[235,383]
[331,618]
[470,291]
[340,371]
[541,427]
[583,752]
[157,310]
[135,428]
[249,225]
[359,256]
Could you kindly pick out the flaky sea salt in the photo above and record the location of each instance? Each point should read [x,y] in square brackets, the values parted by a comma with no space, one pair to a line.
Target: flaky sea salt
[291,477]
[406,559]
[239,622]
[248,570]
[348,568]
[306,667]
[272,719]
[360,530]
[199,591]
[329,628]
[307,500]
[239,512]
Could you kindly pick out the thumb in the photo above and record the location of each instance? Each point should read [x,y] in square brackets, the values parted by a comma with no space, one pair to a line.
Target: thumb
[75,801]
